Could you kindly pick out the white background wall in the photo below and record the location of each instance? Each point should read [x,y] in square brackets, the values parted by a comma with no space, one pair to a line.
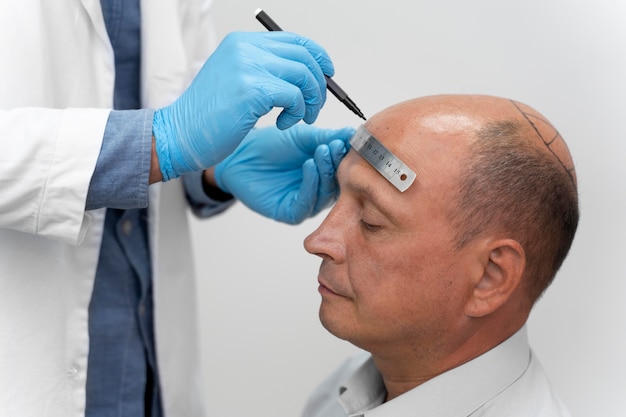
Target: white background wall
[265,350]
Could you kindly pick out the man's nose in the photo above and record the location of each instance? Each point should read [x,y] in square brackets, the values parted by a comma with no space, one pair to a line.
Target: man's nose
[327,240]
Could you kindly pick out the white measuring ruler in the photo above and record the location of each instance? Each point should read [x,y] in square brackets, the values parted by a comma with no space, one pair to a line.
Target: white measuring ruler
[385,162]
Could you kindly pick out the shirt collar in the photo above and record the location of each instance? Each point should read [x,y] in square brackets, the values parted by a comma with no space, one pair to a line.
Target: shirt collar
[364,390]
[457,392]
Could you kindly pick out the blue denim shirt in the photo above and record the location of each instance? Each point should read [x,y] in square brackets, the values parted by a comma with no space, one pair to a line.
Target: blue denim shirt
[122,377]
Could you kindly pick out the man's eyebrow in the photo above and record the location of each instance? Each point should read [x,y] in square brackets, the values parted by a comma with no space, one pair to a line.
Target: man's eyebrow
[373,194]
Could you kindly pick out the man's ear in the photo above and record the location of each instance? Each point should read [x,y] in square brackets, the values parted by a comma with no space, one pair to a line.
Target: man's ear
[502,262]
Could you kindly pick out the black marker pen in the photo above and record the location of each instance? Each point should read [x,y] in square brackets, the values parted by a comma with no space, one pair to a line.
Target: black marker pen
[332,86]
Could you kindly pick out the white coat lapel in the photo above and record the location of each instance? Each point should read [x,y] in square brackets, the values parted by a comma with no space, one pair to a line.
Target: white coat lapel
[94,10]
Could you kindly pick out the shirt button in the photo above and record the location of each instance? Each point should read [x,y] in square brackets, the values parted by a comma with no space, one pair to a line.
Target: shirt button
[127,227]
[72,373]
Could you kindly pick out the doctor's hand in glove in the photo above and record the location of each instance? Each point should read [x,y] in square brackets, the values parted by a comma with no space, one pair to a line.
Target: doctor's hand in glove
[246,76]
[287,175]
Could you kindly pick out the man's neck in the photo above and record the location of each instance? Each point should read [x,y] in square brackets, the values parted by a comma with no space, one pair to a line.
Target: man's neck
[405,369]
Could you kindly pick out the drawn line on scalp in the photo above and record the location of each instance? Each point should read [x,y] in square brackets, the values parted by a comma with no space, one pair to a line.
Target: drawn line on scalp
[527,116]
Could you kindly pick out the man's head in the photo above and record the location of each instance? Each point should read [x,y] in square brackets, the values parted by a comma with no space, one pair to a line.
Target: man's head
[453,264]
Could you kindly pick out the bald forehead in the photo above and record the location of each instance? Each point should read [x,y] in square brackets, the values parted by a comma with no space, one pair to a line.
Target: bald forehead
[464,115]
[436,127]
[435,114]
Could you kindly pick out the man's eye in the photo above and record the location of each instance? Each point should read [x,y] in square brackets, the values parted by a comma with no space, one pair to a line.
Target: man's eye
[370,227]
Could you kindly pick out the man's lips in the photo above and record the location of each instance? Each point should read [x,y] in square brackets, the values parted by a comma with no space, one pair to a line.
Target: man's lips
[326,289]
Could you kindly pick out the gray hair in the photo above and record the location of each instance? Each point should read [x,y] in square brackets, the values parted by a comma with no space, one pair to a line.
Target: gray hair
[511,186]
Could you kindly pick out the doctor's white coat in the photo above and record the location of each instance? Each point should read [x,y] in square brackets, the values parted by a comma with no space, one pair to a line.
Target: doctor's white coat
[56,84]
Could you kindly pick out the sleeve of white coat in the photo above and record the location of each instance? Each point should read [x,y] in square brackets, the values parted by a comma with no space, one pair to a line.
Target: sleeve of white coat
[47,158]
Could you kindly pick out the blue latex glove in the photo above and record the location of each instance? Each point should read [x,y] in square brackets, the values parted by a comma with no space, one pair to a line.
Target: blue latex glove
[286,175]
[247,75]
